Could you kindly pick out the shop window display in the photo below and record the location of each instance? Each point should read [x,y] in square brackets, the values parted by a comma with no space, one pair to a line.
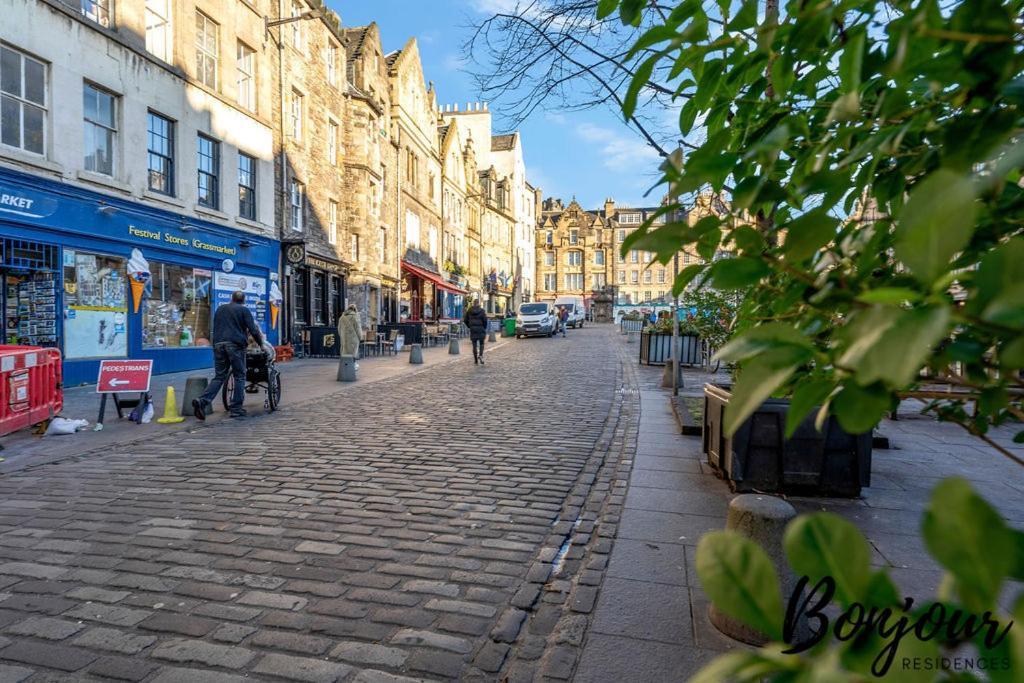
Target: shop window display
[95,306]
[177,308]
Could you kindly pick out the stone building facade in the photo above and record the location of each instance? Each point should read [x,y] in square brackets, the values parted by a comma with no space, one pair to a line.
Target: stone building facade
[371,178]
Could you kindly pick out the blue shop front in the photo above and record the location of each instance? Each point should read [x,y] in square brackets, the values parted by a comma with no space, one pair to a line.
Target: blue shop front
[68,280]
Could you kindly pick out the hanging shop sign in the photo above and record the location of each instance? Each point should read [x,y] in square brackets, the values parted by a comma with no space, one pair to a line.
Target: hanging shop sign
[295,253]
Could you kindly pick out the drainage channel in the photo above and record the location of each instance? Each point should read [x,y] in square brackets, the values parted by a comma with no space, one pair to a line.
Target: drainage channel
[559,562]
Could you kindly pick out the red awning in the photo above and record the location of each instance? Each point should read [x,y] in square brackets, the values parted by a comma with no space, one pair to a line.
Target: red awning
[432,277]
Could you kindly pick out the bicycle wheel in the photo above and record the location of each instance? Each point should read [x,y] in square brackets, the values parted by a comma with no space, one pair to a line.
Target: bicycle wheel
[226,389]
[273,389]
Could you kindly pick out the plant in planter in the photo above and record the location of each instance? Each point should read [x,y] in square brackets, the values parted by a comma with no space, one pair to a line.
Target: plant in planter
[879,147]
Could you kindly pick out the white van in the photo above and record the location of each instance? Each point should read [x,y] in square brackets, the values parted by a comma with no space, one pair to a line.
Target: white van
[577,309]
[535,319]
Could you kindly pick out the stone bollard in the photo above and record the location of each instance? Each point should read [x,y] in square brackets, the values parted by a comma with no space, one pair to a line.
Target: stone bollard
[194,388]
[453,346]
[763,520]
[347,369]
[416,354]
[490,337]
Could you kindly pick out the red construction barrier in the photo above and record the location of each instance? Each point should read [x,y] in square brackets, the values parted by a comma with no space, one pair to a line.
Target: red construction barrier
[30,386]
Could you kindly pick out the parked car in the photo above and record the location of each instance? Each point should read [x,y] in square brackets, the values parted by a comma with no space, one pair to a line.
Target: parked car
[575,306]
[535,320]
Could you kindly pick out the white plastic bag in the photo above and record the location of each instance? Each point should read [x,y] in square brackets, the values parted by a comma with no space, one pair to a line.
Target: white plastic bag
[62,425]
[147,414]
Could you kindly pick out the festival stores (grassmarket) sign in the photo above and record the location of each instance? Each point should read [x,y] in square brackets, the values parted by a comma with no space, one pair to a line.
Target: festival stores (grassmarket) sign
[182,242]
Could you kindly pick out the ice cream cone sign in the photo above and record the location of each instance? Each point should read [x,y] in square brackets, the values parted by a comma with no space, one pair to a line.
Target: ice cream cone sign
[138,276]
[275,303]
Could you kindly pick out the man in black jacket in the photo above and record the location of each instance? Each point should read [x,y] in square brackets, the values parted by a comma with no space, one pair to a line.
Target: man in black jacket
[232,325]
[476,321]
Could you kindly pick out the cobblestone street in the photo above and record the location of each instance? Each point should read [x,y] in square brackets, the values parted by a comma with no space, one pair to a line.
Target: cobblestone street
[452,523]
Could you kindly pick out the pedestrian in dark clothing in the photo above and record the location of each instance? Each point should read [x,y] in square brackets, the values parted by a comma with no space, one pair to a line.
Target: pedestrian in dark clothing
[232,325]
[476,321]
[563,317]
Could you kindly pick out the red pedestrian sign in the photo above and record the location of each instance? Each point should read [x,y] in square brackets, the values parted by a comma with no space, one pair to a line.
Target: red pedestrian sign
[124,376]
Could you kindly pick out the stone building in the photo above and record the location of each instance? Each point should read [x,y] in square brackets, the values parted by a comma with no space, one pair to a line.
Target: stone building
[317,247]
[371,179]
[458,189]
[134,127]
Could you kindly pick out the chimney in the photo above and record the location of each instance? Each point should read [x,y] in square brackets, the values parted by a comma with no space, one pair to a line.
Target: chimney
[609,207]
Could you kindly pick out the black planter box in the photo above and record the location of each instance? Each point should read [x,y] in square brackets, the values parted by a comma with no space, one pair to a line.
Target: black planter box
[656,348]
[759,459]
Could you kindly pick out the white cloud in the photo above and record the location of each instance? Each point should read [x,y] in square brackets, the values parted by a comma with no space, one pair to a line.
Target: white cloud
[494,6]
[554,117]
[618,152]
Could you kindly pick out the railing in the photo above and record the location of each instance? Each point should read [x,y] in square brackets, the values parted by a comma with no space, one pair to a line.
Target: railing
[627,326]
[656,349]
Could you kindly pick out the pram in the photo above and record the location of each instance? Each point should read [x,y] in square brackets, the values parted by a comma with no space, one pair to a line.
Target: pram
[260,374]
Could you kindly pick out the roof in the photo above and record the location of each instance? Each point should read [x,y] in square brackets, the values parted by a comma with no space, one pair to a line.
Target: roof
[355,38]
[392,57]
[503,143]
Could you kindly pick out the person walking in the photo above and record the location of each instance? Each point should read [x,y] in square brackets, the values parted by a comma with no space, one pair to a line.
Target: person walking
[232,325]
[350,332]
[563,318]
[476,321]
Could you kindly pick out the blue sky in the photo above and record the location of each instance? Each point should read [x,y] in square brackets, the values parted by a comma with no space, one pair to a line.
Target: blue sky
[591,154]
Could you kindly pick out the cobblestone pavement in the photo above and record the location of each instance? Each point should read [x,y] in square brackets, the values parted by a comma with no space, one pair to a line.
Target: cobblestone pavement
[450,524]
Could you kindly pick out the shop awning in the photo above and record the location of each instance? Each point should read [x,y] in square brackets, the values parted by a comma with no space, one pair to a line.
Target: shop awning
[438,281]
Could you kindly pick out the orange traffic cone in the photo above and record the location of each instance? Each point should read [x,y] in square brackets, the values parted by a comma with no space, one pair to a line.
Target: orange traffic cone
[171,414]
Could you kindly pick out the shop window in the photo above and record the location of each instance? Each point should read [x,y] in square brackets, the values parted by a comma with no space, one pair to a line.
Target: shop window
[336,298]
[246,186]
[22,101]
[177,311]
[301,304]
[208,158]
[99,109]
[160,148]
[28,272]
[95,306]
[319,298]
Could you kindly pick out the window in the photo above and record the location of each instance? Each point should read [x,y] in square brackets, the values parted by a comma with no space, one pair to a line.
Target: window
[634,276]
[298,39]
[246,77]
[647,295]
[177,312]
[686,257]
[100,127]
[296,200]
[246,186]
[599,280]
[96,301]
[574,236]
[335,299]
[622,277]
[382,245]
[621,258]
[629,218]
[354,246]
[158,29]
[301,308]
[375,200]
[295,115]
[622,235]
[160,150]
[550,282]
[574,280]
[412,229]
[634,256]
[22,101]
[549,258]
[332,222]
[332,143]
[95,10]
[574,258]
[208,158]
[432,242]
[661,276]
[549,237]
[319,298]
[647,277]
[331,59]
[430,184]
[207,50]
[599,257]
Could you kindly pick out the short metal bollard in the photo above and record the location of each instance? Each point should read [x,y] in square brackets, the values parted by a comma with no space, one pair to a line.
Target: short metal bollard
[347,369]
[453,346]
[416,354]
[763,520]
[194,388]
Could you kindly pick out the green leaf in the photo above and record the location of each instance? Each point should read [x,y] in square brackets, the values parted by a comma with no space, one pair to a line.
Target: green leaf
[653,36]
[1000,269]
[758,379]
[852,60]
[606,7]
[936,223]
[858,408]
[737,273]
[807,234]
[969,538]
[1017,573]
[890,296]
[741,581]
[762,338]
[1011,354]
[746,17]
[1008,308]
[890,344]
[744,666]
[686,276]
[824,544]
[808,395]
[631,11]
[1011,649]
[640,79]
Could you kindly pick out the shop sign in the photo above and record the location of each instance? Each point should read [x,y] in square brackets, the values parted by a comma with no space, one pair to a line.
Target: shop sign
[255,289]
[295,253]
[26,202]
[124,376]
[179,241]
[322,264]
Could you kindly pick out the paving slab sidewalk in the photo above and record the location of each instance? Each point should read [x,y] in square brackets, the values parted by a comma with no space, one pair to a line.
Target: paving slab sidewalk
[301,380]
[651,623]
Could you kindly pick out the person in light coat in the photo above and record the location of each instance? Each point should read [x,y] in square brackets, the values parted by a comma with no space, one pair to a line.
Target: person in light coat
[350,331]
